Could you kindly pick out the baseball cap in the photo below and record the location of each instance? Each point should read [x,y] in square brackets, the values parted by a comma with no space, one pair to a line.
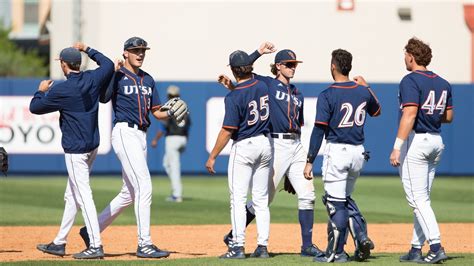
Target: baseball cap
[70,55]
[135,42]
[239,58]
[286,56]
[173,90]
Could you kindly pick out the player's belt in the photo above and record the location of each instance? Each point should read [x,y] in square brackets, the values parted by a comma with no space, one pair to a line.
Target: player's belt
[285,135]
[132,125]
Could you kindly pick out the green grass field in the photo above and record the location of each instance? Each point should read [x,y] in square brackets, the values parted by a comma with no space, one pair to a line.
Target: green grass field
[39,201]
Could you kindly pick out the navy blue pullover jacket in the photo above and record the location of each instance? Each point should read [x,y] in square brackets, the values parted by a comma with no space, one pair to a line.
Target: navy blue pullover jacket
[77,100]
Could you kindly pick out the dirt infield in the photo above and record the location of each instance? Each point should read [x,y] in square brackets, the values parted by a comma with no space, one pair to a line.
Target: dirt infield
[193,241]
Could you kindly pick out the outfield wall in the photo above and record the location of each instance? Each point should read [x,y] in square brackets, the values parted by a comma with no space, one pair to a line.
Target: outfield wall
[34,141]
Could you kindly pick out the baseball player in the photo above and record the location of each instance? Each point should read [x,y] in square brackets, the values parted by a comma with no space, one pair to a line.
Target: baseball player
[286,119]
[77,100]
[134,95]
[246,122]
[340,115]
[175,143]
[425,102]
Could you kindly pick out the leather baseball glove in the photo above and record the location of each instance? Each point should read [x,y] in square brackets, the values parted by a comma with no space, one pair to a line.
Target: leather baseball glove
[3,161]
[176,109]
[288,187]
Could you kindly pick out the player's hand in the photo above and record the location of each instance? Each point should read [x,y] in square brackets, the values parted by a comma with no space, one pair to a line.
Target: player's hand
[80,46]
[395,158]
[45,85]
[266,48]
[225,81]
[308,171]
[118,64]
[154,143]
[361,81]
[210,165]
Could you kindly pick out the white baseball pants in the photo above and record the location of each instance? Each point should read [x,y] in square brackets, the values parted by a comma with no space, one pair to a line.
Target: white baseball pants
[341,167]
[289,158]
[174,145]
[79,195]
[249,168]
[130,146]
[418,157]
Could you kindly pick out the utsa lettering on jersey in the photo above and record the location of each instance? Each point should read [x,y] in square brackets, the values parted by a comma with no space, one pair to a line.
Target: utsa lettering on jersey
[133,96]
[425,103]
[77,100]
[246,122]
[340,116]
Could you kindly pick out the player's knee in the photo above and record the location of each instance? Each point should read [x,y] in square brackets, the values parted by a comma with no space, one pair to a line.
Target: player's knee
[338,214]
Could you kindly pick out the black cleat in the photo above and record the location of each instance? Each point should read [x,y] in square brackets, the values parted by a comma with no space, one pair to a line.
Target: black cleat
[229,242]
[414,255]
[260,252]
[312,251]
[235,252]
[51,248]
[90,253]
[85,236]
[151,251]
[434,257]
[338,258]
[363,251]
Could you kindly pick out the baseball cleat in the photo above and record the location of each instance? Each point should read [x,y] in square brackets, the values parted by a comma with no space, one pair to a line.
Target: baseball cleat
[90,253]
[228,241]
[51,248]
[434,257]
[338,258]
[174,199]
[363,251]
[312,251]
[414,255]
[151,251]
[260,252]
[85,236]
[235,252]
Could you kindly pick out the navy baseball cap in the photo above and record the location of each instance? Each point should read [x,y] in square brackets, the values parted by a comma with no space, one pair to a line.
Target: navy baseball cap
[286,56]
[135,43]
[70,55]
[239,58]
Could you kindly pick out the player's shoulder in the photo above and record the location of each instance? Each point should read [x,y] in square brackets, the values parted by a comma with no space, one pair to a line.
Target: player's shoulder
[145,74]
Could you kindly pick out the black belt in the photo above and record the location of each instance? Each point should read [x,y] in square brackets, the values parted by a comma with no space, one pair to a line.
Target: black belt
[132,125]
[285,136]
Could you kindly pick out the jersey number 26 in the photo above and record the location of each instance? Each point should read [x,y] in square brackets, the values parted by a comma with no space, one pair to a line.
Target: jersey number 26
[255,113]
[348,119]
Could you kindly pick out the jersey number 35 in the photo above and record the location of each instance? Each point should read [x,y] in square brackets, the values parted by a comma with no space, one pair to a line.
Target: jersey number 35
[257,113]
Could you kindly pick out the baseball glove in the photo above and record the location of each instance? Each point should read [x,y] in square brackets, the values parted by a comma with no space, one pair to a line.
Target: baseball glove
[3,161]
[176,108]
[288,187]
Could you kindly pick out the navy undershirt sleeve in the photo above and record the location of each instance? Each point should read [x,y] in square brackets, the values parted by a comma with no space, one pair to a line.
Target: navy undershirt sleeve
[315,143]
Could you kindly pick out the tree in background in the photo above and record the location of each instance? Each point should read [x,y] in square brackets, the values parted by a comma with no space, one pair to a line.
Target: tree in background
[16,63]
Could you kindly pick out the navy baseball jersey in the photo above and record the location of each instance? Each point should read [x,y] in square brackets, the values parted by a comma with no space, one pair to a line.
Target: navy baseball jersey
[247,110]
[77,100]
[343,107]
[286,102]
[133,96]
[431,94]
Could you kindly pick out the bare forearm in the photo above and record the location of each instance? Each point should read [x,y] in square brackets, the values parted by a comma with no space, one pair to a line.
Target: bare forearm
[160,115]
[222,140]
[406,125]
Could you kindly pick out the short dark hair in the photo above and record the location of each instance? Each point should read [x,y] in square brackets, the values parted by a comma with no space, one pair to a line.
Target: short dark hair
[242,72]
[342,59]
[74,66]
[420,51]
